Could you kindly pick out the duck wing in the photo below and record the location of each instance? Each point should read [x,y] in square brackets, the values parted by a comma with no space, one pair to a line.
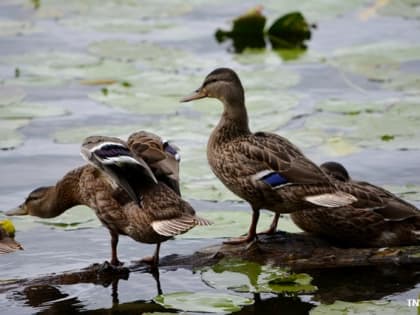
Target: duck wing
[380,201]
[162,156]
[113,157]
[277,162]
[168,213]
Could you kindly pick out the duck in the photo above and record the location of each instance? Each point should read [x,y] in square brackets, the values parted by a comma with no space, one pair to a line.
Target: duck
[263,168]
[8,244]
[377,219]
[129,196]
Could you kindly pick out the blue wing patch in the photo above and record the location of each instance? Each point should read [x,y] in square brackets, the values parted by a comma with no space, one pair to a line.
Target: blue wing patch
[274,179]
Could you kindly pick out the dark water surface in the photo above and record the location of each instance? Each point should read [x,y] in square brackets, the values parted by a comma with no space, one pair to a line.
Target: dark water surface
[295,98]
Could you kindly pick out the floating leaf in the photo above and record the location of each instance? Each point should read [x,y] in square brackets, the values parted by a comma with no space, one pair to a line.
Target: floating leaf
[30,110]
[245,276]
[13,28]
[231,223]
[78,134]
[9,137]
[382,307]
[208,302]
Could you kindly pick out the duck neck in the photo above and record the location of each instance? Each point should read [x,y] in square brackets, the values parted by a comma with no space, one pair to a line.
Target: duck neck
[234,120]
[61,197]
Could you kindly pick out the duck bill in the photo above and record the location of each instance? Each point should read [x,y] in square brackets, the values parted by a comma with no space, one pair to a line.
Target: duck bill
[194,96]
[21,210]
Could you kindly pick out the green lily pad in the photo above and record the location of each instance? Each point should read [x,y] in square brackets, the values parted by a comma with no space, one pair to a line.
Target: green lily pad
[9,136]
[231,223]
[114,24]
[76,218]
[409,192]
[207,302]
[401,8]
[316,10]
[13,28]
[30,110]
[377,61]
[148,54]
[245,276]
[78,134]
[396,121]
[382,307]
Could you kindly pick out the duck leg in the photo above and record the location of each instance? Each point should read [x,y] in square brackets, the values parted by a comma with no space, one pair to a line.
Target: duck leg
[153,261]
[114,243]
[252,232]
[273,226]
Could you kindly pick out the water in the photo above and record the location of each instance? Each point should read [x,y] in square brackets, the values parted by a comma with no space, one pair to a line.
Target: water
[291,96]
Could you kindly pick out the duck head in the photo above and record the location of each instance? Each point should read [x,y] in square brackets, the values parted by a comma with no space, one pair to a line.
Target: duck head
[336,170]
[38,203]
[223,84]
[161,155]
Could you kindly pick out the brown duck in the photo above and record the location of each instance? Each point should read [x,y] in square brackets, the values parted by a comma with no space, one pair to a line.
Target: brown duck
[377,219]
[263,168]
[126,195]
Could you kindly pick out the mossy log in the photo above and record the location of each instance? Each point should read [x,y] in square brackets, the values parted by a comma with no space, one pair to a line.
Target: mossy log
[300,252]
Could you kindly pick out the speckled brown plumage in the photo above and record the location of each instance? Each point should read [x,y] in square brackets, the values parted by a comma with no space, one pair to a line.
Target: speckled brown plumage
[159,216]
[378,218]
[241,159]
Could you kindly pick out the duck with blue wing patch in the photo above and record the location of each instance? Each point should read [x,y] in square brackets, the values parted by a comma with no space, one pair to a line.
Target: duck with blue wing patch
[262,168]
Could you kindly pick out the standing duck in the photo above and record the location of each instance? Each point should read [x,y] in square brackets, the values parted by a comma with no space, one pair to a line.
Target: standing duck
[126,195]
[378,218]
[263,168]
[7,237]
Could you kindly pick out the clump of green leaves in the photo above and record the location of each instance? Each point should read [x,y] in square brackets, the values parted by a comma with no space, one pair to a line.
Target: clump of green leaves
[290,31]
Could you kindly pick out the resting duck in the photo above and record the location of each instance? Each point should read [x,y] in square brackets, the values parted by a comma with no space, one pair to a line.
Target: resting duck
[263,168]
[7,237]
[377,219]
[126,195]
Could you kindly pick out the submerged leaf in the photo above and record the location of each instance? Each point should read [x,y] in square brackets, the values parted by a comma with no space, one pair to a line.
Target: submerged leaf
[245,276]
[207,302]
[382,307]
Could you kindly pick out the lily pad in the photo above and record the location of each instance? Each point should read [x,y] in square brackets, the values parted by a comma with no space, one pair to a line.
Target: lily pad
[76,218]
[231,223]
[207,302]
[396,120]
[382,307]
[149,54]
[9,136]
[78,134]
[409,192]
[30,110]
[377,61]
[245,276]
[13,28]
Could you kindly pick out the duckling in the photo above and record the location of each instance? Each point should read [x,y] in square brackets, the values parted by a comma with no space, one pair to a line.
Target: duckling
[377,219]
[265,169]
[7,237]
[127,197]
